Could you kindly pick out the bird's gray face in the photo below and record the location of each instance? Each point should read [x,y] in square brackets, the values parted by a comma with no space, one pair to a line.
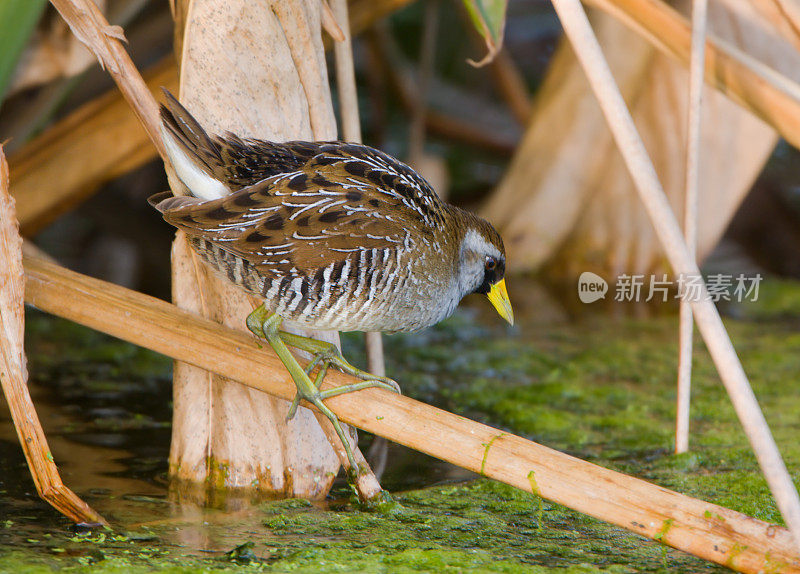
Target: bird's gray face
[481,269]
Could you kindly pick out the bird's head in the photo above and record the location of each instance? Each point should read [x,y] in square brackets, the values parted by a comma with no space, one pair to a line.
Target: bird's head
[482,265]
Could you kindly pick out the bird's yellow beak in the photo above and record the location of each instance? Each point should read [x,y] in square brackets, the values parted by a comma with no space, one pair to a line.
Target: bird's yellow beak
[499,298]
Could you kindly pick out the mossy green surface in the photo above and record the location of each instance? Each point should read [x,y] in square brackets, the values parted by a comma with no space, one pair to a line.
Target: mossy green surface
[480,526]
[599,388]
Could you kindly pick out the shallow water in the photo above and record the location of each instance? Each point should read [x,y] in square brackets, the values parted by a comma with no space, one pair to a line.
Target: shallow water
[598,385]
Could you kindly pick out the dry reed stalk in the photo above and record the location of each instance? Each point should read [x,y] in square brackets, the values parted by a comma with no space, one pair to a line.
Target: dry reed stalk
[579,31]
[346,76]
[309,62]
[425,67]
[351,131]
[13,371]
[94,144]
[703,529]
[90,27]
[790,10]
[366,483]
[768,94]
[295,104]
[363,14]
[783,16]
[694,117]
[331,26]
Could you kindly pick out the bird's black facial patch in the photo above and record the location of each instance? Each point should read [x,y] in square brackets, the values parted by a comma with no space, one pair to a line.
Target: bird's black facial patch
[493,271]
[274,221]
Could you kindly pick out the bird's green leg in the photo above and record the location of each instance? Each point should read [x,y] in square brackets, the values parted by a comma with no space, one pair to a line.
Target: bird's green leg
[329,354]
[325,353]
[262,324]
[317,382]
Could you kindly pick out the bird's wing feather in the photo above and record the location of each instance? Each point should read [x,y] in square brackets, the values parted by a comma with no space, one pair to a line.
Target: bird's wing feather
[237,163]
[388,176]
[342,201]
[245,162]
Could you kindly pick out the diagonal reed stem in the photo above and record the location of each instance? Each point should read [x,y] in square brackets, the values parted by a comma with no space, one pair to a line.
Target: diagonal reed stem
[703,529]
[587,49]
[694,119]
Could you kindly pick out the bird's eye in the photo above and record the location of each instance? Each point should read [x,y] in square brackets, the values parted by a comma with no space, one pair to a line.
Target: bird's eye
[491,263]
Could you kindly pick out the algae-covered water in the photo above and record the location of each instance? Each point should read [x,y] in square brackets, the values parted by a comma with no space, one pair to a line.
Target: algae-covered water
[599,385]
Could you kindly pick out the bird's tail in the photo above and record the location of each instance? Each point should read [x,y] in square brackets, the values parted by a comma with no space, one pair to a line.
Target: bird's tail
[195,156]
[164,201]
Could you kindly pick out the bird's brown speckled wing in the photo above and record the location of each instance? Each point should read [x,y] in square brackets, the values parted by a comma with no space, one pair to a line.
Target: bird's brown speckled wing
[345,200]
[239,163]
[245,162]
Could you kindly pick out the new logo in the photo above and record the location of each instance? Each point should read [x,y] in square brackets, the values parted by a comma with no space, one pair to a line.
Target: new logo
[591,287]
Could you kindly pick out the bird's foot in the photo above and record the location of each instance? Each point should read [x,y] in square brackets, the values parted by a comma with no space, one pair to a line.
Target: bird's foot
[309,391]
[328,355]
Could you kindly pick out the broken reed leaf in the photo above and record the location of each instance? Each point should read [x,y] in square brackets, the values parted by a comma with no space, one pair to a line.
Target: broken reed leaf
[13,372]
[12,281]
[489,18]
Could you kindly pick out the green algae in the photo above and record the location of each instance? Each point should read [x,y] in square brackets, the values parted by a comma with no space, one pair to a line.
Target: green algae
[602,389]
[487,447]
[539,500]
[481,526]
[611,400]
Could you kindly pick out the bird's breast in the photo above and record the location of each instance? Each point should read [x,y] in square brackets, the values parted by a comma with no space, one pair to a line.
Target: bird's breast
[369,290]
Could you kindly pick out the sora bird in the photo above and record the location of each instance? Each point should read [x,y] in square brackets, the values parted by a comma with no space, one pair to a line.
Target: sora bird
[331,235]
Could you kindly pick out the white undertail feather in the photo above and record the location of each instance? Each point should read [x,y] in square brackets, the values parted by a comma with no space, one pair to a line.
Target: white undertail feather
[198,181]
